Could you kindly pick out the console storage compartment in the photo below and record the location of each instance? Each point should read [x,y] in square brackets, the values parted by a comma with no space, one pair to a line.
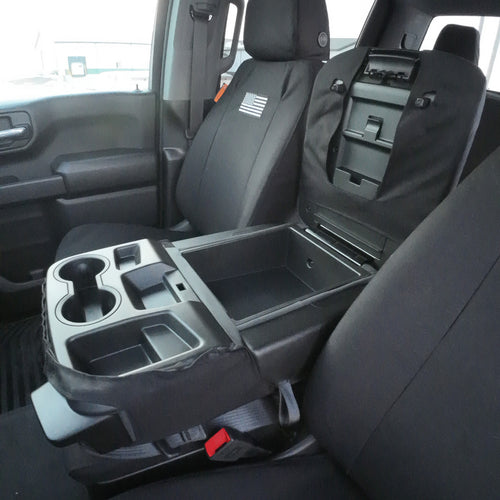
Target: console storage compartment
[268,270]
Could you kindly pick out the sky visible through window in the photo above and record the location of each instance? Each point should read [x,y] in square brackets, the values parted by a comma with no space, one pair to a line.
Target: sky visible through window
[39,36]
[55,47]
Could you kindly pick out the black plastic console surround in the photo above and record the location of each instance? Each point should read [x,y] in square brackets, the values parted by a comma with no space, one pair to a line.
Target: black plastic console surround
[112,314]
[146,339]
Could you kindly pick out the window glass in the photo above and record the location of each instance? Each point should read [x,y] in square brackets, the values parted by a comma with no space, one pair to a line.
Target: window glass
[55,47]
[489,27]
[241,55]
[346,22]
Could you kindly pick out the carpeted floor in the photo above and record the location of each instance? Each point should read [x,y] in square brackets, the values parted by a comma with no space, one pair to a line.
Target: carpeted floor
[21,362]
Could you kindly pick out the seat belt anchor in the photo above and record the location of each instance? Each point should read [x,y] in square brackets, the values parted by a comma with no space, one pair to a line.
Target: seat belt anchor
[203,11]
[289,411]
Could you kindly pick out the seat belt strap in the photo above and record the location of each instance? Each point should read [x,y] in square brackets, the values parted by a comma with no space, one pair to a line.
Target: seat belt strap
[201,13]
[289,411]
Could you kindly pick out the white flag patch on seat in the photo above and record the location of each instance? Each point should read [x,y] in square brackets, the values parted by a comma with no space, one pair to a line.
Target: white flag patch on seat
[253,105]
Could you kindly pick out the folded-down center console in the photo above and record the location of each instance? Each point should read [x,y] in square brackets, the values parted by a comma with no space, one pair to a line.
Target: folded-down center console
[149,343]
[125,311]
[148,339]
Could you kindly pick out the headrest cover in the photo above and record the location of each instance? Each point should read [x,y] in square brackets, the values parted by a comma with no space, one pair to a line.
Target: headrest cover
[462,41]
[287,30]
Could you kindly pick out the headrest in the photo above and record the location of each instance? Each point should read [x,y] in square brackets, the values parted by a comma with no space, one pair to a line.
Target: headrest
[462,41]
[287,30]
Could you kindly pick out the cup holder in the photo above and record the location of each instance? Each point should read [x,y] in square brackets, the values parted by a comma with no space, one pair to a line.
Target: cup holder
[89,303]
[82,272]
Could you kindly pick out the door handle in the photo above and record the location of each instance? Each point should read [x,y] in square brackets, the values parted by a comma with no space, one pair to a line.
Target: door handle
[14,134]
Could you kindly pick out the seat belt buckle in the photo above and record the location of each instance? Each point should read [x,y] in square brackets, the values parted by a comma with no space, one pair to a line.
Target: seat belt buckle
[231,446]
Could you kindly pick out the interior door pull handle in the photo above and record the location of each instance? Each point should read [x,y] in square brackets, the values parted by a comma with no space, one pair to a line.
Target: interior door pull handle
[14,134]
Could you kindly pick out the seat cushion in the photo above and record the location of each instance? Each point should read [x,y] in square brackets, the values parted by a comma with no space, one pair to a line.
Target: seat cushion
[91,237]
[306,477]
[30,466]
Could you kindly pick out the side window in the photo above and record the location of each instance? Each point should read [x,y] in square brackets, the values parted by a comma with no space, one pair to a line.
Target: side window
[489,28]
[241,54]
[58,47]
[346,22]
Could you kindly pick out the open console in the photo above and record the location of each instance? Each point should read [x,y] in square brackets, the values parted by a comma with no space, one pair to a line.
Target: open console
[269,270]
[188,330]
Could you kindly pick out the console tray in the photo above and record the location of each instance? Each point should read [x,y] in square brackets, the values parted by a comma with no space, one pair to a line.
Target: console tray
[130,346]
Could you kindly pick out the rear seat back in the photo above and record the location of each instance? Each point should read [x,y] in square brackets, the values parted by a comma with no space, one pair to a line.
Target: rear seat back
[388,133]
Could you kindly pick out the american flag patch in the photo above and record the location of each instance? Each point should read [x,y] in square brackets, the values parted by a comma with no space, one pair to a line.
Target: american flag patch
[253,105]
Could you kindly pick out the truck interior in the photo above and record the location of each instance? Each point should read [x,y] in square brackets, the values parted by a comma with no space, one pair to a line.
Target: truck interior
[274,277]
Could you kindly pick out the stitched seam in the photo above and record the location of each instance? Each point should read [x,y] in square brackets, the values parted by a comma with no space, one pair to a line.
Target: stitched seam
[395,402]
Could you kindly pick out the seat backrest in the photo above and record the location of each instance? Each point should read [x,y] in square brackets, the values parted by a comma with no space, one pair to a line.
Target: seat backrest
[463,41]
[388,133]
[406,394]
[242,168]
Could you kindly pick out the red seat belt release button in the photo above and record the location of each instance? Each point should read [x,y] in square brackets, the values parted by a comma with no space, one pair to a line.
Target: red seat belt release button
[216,442]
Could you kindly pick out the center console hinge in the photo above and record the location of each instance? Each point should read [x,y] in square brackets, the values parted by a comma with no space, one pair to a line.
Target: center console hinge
[341,246]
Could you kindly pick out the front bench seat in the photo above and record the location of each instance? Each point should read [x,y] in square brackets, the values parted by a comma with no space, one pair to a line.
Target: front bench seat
[242,168]
[404,397]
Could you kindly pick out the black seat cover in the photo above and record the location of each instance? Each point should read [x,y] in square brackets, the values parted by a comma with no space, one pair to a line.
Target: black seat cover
[428,145]
[312,477]
[242,168]
[463,41]
[405,395]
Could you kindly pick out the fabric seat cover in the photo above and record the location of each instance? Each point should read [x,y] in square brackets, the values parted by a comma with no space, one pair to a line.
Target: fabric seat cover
[242,168]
